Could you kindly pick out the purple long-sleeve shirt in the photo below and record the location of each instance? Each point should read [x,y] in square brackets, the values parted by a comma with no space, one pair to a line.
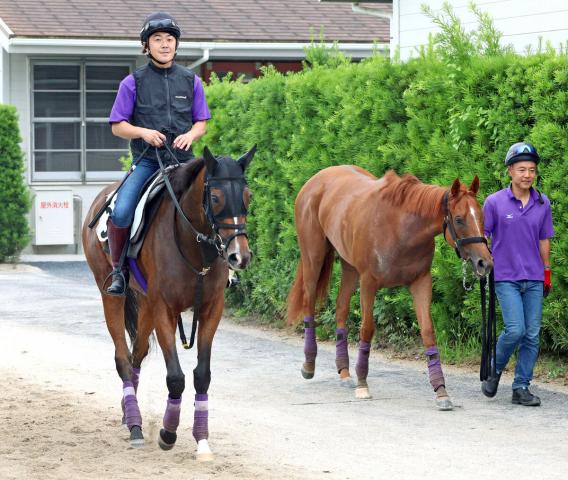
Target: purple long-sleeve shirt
[516,232]
[125,101]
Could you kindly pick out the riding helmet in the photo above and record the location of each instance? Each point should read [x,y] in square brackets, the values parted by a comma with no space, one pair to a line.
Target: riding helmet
[521,151]
[159,22]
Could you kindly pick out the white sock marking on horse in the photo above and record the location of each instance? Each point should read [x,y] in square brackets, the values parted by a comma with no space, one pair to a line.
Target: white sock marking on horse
[204,453]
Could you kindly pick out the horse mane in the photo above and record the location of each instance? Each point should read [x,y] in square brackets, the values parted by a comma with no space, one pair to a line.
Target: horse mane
[183,176]
[411,195]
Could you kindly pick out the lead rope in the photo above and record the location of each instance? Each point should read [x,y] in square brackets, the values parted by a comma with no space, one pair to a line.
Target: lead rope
[488,328]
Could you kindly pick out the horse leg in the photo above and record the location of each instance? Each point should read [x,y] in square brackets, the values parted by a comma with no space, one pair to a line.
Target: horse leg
[144,326]
[421,290]
[211,315]
[114,315]
[175,379]
[369,289]
[313,266]
[349,278]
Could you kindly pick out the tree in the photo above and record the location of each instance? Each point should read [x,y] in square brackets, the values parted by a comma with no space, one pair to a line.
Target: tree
[14,195]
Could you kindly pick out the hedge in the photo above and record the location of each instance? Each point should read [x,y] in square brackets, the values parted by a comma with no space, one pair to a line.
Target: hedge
[442,115]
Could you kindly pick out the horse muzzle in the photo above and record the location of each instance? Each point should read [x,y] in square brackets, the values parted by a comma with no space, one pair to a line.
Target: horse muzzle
[482,264]
[239,255]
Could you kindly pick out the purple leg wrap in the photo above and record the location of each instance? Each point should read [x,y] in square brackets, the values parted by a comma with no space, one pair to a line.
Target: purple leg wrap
[135,378]
[362,366]
[131,410]
[341,353]
[310,345]
[171,417]
[200,423]
[435,368]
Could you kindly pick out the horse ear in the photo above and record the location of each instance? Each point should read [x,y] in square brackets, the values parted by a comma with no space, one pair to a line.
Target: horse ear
[246,158]
[210,160]
[474,187]
[456,187]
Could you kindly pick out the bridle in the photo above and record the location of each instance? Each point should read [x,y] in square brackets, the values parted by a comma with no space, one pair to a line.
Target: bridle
[213,239]
[488,316]
[449,225]
[214,219]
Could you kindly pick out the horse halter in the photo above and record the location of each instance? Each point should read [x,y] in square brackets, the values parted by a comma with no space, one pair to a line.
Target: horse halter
[449,224]
[234,207]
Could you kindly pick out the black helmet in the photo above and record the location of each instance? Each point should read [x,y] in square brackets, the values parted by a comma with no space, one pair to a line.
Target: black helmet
[159,22]
[521,151]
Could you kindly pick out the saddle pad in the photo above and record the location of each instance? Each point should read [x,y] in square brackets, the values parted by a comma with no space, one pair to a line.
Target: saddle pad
[137,228]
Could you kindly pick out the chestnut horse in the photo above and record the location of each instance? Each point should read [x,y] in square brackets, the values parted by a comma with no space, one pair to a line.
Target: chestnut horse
[199,240]
[383,232]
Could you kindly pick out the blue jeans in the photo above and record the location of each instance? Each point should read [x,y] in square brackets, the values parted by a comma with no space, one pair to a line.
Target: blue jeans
[521,304]
[129,194]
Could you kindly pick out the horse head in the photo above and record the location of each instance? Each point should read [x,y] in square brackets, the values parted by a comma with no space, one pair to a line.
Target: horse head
[227,198]
[463,220]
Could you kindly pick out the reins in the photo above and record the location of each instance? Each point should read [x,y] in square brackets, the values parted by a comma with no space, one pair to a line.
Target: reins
[199,237]
[213,239]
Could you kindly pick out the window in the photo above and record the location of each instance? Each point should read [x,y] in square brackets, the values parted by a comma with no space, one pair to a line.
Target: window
[72,139]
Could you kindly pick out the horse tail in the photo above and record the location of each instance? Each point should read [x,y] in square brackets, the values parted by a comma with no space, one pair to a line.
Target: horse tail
[131,314]
[296,295]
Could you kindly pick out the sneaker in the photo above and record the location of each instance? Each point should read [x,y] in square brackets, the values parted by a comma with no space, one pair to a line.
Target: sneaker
[522,396]
[489,386]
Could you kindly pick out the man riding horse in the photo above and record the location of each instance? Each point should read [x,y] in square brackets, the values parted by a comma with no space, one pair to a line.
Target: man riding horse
[161,103]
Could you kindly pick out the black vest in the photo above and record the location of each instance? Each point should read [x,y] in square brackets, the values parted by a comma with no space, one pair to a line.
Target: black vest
[164,97]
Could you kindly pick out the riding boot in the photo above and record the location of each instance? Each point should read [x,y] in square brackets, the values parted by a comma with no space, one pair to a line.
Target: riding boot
[117,237]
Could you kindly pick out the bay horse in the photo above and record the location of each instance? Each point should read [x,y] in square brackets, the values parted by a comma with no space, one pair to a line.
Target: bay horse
[383,232]
[214,199]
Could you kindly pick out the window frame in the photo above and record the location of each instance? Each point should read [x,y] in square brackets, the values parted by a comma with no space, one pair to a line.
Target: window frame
[83,175]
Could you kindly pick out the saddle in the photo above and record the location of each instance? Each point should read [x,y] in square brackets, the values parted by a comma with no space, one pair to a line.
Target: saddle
[150,200]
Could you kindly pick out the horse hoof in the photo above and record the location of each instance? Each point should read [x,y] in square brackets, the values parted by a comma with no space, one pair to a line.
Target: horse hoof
[308,370]
[362,393]
[167,440]
[444,404]
[346,382]
[204,453]
[136,437]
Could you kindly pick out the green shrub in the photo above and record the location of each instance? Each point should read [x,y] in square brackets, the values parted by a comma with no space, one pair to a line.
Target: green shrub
[451,112]
[14,195]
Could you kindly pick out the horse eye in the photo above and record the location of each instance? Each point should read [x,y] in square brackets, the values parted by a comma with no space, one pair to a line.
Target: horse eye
[460,221]
[214,198]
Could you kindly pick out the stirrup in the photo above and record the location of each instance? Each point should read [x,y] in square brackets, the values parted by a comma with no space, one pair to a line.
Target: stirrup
[117,287]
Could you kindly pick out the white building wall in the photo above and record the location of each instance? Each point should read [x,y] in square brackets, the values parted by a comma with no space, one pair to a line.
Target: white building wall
[18,93]
[521,22]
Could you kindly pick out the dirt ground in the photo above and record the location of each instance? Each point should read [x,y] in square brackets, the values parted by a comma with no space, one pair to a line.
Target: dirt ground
[60,405]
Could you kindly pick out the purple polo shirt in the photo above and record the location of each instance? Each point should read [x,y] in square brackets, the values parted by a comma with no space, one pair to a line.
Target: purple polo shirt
[515,233]
[123,107]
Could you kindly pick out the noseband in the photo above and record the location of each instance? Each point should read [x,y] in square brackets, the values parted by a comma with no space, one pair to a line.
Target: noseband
[449,225]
